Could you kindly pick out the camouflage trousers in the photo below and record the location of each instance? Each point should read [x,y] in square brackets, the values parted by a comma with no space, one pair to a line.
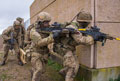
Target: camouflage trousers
[71,66]
[38,66]
[28,49]
[7,47]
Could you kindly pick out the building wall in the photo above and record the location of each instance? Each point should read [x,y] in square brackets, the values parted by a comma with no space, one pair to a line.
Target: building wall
[60,10]
[1,43]
[107,18]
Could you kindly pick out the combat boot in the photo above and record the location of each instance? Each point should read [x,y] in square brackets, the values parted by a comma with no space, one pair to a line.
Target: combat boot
[3,63]
[19,60]
[20,63]
[62,72]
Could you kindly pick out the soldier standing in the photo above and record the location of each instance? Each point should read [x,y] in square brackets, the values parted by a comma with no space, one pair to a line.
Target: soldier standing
[27,35]
[28,42]
[22,32]
[10,40]
[40,41]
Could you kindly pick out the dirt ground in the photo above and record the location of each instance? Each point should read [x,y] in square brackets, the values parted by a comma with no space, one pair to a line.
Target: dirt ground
[13,72]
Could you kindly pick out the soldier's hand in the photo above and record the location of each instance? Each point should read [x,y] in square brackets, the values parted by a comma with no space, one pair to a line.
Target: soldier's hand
[11,41]
[7,38]
[56,34]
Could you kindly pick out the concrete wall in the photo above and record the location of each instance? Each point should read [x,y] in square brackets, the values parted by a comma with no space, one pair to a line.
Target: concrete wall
[105,74]
[60,10]
[107,18]
[1,43]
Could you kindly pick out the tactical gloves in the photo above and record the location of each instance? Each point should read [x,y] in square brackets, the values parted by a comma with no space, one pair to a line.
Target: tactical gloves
[56,34]
[11,41]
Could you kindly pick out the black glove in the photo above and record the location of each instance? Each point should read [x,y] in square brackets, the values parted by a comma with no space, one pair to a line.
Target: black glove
[11,41]
[56,34]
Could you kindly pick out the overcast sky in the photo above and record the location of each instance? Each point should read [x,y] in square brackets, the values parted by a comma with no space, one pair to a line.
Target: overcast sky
[10,9]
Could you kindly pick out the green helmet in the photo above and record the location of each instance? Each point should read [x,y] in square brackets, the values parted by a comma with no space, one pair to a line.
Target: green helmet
[16,23]
[19,19]
[84,17]
[43,16]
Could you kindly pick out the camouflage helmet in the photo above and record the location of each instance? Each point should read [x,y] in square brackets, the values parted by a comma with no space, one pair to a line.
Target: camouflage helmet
[19,19]
[16,23]
[84,17]
[43,16]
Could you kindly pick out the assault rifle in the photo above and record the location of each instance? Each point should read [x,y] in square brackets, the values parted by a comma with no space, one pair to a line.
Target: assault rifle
[94,32]
[12,42]
[97,35]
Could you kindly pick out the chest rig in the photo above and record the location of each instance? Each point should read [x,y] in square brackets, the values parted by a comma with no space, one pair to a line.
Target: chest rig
[14,34]
[63,44]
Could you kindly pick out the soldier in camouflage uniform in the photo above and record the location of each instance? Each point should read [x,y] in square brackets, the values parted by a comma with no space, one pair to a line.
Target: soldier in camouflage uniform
[27,36]
[66,46]
[22,31]
[28,42]
[40,41]
[11,40]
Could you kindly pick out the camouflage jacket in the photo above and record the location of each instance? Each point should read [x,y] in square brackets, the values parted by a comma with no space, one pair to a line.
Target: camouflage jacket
[65,43]
[27,35]
[40,40]
[17,34]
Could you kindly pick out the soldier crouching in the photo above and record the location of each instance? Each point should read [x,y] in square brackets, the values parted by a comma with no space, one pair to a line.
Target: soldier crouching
[67,46]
